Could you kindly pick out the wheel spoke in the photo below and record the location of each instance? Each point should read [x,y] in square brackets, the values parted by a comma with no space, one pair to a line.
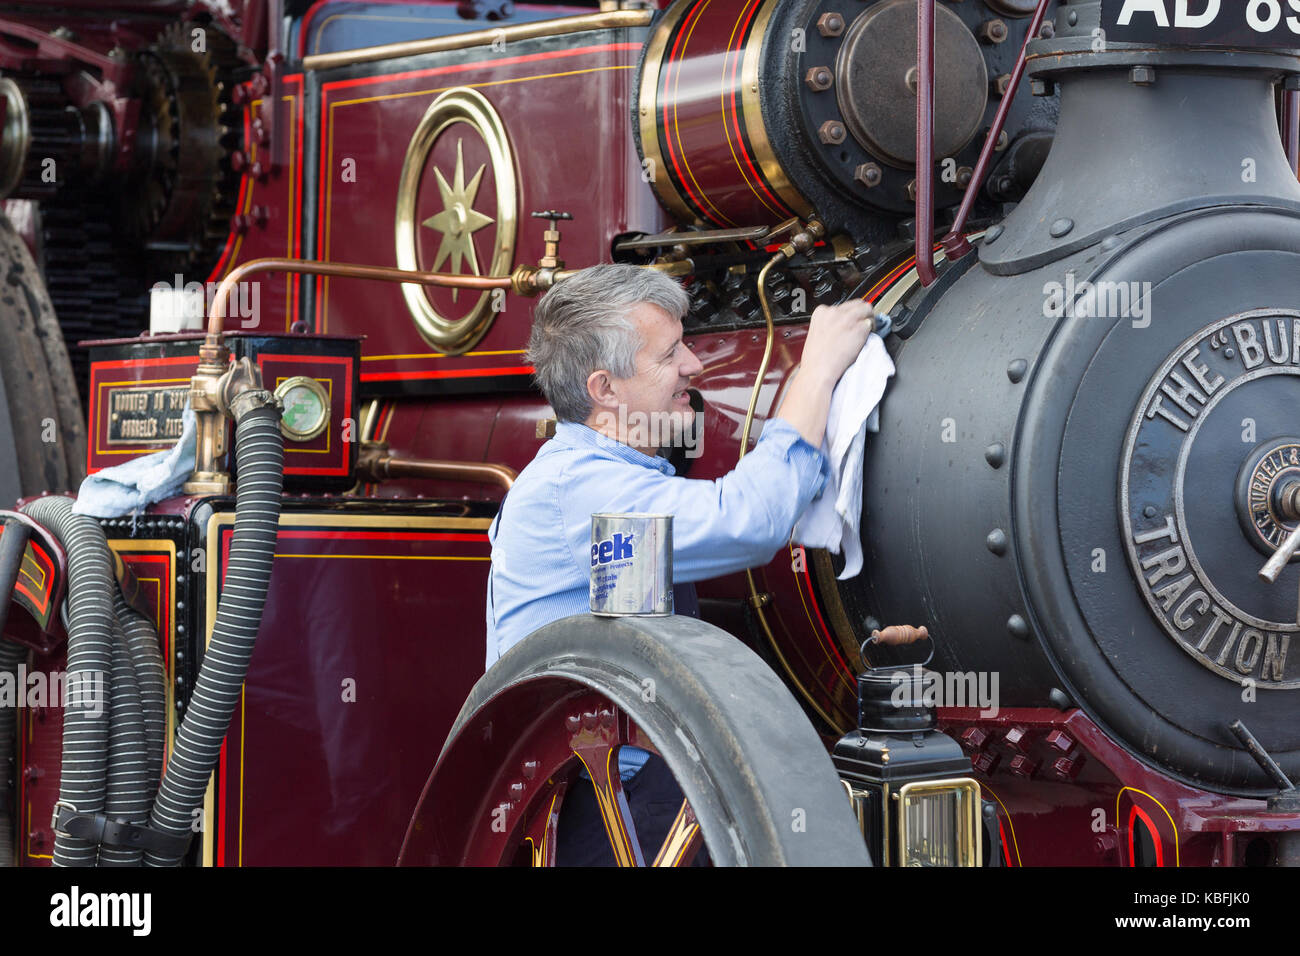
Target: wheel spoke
[683,841]
[601,731]
[540,835]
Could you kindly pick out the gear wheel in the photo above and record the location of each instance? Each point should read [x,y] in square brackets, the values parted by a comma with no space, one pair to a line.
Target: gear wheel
[181,204]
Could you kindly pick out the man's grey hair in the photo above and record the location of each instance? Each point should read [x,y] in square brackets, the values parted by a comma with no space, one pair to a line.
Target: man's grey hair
[582,324]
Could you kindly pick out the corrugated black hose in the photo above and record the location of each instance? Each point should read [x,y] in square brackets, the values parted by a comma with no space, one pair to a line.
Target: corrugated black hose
[129,789]
[259,457]
[146,659]
[89,604]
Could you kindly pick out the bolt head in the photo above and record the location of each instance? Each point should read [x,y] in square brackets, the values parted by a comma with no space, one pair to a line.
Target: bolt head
[819,79]
[1022,766]
[869,174]
[994,31]
[830,24]
[1017,738]
[832,132]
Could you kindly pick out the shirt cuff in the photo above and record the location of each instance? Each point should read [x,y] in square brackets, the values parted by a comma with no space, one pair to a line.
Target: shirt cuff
[811,464]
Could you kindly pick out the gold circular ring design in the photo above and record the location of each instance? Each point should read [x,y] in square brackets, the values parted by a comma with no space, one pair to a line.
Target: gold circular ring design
[459,105]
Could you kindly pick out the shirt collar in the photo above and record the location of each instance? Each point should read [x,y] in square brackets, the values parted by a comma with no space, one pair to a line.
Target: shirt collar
[578,435]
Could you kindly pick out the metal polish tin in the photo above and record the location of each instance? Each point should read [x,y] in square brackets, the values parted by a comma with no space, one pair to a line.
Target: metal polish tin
[631,565]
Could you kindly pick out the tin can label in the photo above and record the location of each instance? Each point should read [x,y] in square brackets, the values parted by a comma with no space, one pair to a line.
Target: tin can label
[631,564]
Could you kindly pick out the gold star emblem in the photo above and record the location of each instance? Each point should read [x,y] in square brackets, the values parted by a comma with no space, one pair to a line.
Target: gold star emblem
[459,220]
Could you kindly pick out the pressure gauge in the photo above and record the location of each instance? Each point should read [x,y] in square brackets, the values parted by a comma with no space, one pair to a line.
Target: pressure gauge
[306,408]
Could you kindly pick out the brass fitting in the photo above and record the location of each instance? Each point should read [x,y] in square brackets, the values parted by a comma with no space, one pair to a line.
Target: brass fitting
[804,240]
[218,390]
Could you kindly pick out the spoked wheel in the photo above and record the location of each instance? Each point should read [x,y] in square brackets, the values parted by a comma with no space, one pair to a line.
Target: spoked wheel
[736,771]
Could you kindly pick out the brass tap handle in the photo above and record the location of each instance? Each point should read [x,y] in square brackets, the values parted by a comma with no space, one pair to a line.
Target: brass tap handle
[551,253]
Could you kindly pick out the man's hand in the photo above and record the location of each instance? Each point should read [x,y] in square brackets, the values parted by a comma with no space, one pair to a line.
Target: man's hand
[899,634]
[836,334]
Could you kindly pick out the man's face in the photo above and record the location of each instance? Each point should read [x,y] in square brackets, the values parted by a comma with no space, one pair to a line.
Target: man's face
[656,392]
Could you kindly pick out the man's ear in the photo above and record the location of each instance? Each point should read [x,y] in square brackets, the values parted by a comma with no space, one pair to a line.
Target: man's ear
[600,388]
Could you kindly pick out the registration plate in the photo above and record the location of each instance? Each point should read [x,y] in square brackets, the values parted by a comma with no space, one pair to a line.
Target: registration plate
[1234,23]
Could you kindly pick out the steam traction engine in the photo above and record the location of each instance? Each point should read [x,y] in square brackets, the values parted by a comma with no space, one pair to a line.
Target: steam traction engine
[1086,480]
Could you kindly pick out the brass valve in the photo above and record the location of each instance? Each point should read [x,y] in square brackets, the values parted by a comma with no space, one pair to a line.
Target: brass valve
[551,253]
[217,389]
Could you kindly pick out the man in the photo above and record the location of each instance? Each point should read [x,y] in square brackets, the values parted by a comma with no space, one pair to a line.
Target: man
[609,357]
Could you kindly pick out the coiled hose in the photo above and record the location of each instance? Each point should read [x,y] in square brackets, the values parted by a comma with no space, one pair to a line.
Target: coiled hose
[114,707]
[86,713]
[147,662]
[259,457]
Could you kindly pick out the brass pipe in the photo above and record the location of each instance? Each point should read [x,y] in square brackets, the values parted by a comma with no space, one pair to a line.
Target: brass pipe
[346,270]
[375,464]
[799,243]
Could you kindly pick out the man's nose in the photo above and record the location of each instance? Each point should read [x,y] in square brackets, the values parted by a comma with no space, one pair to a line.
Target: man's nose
[693,365]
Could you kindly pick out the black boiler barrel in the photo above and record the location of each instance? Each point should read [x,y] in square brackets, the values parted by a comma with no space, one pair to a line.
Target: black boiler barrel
[1082,460]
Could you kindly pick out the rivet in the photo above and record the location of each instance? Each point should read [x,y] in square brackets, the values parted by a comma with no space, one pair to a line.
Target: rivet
[996,454]
[1059,699]
[572,723]
[1109,243]
[994,232]
[997,541]
[1017,369]
[1018,626]
[1149,511]
[1062,227]
[1073,18]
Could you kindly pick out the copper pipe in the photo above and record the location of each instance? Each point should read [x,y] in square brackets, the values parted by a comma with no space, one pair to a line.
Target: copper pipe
[378,465]
[925,141]
[955,244]
[346,270]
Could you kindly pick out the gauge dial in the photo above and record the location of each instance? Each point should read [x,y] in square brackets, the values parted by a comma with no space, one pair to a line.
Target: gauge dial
[306,408]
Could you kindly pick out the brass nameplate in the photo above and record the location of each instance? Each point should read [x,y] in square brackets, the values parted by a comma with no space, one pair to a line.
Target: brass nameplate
[145,415]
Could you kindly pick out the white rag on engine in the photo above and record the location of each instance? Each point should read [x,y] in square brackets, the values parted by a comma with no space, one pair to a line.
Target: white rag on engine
[133,485]
[833,519]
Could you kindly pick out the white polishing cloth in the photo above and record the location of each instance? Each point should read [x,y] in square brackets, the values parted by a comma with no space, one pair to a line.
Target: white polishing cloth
[833,520]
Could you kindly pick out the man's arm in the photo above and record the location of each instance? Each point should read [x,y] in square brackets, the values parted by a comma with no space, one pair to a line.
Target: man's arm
[735,522]
[836,335]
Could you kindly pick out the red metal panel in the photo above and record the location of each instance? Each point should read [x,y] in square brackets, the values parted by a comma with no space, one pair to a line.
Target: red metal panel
[347,702]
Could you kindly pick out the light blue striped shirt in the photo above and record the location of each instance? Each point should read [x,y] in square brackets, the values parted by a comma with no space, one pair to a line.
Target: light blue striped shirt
[541,538]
